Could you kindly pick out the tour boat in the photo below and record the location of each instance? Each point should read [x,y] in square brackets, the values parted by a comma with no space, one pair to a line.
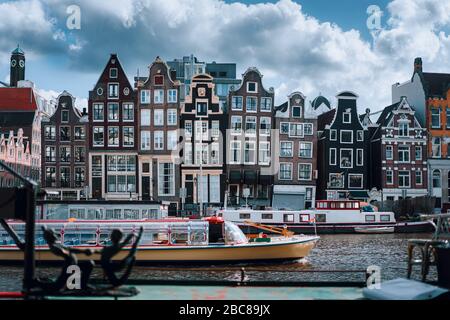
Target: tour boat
[329,216]
[211,240]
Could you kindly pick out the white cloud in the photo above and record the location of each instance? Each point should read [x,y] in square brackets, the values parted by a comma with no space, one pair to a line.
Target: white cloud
[294,51]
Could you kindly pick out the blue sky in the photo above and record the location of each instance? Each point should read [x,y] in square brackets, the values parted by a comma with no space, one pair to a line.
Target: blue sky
[314,46]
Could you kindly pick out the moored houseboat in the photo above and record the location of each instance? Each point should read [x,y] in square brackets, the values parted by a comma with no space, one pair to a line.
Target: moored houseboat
[329,216]
[163,241]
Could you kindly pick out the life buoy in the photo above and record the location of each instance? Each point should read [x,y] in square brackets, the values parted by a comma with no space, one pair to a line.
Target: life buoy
[214,220]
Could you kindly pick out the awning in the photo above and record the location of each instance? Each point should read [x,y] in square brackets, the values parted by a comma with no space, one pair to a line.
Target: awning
[265,180]
[250,177]
[359,195]
[235,176]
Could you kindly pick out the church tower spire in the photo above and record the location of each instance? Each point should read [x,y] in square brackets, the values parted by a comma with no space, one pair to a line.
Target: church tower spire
[17,66]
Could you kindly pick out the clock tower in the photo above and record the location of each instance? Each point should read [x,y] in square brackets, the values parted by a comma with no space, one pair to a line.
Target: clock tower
[17,66]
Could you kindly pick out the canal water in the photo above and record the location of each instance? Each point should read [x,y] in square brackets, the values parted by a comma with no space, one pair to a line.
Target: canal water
[333,252]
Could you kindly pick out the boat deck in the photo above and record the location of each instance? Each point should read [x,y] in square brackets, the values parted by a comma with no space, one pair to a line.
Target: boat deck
[190,292]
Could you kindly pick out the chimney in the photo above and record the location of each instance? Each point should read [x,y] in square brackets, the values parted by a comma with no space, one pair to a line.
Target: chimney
[173,74]
[418,65]
[84,112]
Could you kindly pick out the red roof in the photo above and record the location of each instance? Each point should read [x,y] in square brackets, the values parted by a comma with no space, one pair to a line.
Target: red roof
[17,99]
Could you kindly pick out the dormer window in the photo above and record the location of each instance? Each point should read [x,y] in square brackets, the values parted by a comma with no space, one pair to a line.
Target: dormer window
[159,80]
[113,73]
[252,87]
[347,117]
[296,111]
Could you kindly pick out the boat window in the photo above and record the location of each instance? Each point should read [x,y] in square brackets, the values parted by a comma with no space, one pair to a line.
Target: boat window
[342,205]
[321,217]
[113,214]
[95,214]
[370,218]
[349,205]
[234,235]
[267,216]
[77,213]
[385,218]
[356,205]
[304,217]
[150,214]
[75,236]
[288,217]
[131,214]
[179,236]
[244,216]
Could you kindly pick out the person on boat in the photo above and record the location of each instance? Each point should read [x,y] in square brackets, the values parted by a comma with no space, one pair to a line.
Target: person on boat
[110,268]
[68,254]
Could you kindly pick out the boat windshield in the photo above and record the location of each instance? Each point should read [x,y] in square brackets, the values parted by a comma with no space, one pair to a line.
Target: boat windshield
[234,235]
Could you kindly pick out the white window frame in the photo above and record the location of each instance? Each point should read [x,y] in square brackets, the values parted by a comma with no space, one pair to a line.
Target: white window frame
[420,153]
[250,143]
[340,136]
[306,143]
[292,149]
[349,117]
[233,131]
[356,175]
[93,135]
[123,111]
[158,114]
[265,132]
[109,91]
[233,105]
[340,158]
[255,122]
[158,140]
[123,137]
[334,162]
[409,178]
[307,125]
[146,137]
[358,133]
[158,96]
[289,164]
[118,136]
[146,115]
[310,171]
[408,151]
[145,94]
[256,87]
[391,148]
[172,116]
[102,112]
[172,96]
[235,145]
[247,104]
[421,177]
[261,152]
[118,111]
[172,140]
[333,131]
[389,177]
[362,157]
[296,124]
[261,104]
